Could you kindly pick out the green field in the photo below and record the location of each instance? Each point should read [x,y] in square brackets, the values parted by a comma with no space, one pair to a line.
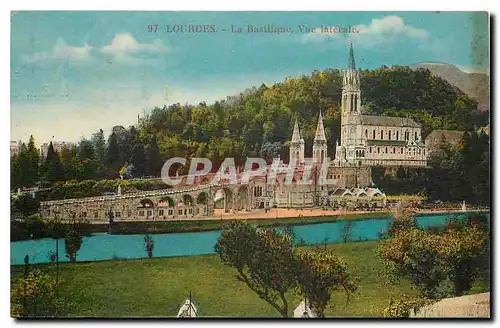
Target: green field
[157,287]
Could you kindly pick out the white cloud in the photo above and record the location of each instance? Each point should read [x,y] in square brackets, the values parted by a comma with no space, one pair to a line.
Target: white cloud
[379,31]
[391,26]
[124,43]
[62,51]
[123,49]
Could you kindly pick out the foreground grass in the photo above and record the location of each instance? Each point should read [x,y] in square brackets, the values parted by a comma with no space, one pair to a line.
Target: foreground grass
[157,287]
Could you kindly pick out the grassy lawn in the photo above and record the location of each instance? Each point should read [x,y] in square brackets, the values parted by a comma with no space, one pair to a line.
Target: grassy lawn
[157,287]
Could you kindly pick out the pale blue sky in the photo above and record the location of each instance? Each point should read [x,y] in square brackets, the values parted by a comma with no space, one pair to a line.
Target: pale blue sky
[75,72]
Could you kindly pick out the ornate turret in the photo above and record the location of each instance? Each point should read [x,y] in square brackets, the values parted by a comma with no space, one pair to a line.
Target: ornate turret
[319,144]
[297,145]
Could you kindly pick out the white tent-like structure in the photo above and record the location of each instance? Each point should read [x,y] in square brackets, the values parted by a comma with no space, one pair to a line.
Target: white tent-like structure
[188,310]
[303,311]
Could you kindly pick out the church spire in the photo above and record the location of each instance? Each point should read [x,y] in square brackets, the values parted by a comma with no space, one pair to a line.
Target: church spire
[320,129]
[351,65]
[296,132]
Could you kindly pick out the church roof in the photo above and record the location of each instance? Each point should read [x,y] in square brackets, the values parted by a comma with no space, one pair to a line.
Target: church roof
[388,121]
[320,130]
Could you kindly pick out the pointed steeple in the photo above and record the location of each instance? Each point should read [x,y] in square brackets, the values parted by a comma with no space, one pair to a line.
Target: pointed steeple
[351,65]
[296,132]
[320,129]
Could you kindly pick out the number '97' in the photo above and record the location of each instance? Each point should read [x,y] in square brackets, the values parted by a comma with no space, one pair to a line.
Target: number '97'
[152,27]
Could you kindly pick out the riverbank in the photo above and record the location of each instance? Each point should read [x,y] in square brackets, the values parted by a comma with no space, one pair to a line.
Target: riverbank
[272,218]
[262,219]
[157,287]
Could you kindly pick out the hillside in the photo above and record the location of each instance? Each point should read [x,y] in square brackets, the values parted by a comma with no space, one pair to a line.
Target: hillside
[475,85]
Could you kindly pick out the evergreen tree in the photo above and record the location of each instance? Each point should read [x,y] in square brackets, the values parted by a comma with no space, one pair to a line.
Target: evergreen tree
[138,159]
[113,159]
[34,160]
[52,169]
[154,160]
[99,145]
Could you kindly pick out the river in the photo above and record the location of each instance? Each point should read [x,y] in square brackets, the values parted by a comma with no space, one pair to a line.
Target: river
[102,246]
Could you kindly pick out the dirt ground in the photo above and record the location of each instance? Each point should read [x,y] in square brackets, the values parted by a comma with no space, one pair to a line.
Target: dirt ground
[470,306]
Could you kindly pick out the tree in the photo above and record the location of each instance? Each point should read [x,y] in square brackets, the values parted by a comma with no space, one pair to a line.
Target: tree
[149,243]
[461,252]
[26,205]
[270,150]
[99,144]
[52,169]
[319,273]
[154,160]
[402,218]
[73,242]
[427,258]
[113,158]
[411,254]
[138,159]
[35,296]
[263,259]
[34,160]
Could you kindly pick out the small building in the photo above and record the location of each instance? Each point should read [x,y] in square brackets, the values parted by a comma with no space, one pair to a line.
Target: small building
[439,137]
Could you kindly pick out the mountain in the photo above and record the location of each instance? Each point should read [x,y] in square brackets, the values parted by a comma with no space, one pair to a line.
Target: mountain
[475,85]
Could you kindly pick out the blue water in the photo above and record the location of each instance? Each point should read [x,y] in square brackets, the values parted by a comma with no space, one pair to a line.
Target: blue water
[102,246]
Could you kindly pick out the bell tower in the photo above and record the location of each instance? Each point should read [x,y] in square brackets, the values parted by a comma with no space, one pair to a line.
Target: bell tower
[351,134]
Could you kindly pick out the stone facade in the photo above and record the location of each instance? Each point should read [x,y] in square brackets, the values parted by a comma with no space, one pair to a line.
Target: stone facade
[375,140]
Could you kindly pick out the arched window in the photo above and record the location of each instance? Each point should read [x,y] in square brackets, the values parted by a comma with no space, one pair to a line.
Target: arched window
[381,134]
[407,135]
[393,150]
[390,134]
[373,134]
[371,150]
[415,135]
[356,103]
[424,151]
[352,102]
[397,135]
[366,133]
[378,149]
[386,150]
[401,150]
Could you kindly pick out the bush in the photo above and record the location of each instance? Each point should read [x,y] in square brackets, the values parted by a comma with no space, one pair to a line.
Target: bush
[402,308]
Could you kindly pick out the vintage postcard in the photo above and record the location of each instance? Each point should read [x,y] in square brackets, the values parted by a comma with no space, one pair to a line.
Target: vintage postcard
[250,164]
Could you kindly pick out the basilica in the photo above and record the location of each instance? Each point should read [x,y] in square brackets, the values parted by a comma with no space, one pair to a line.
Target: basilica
[365,140]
